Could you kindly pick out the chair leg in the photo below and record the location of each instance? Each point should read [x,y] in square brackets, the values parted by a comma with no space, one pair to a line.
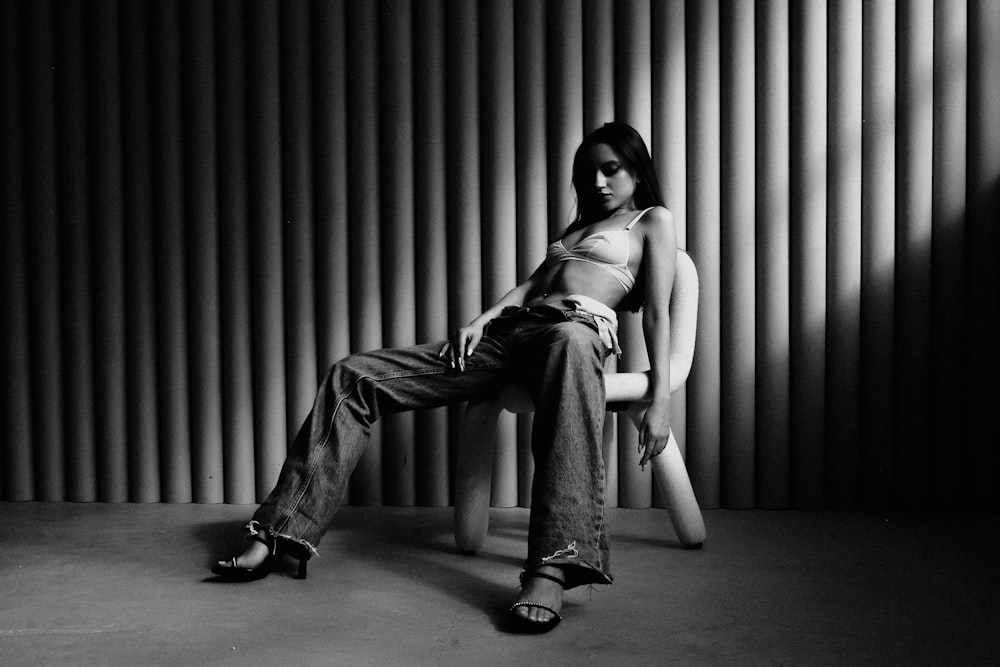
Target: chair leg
[675,486]
[474,474]
[609,448]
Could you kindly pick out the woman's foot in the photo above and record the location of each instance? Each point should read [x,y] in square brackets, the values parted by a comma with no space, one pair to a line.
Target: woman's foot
[256,562]
[537,607]
[253,556]
[261,554]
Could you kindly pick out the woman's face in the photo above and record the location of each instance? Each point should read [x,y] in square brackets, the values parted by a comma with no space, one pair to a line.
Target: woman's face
[604,180]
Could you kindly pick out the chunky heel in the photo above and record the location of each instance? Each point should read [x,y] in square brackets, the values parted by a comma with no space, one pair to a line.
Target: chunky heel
[295,550]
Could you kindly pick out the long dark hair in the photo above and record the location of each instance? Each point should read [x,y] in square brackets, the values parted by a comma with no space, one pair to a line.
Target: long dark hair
[626,142]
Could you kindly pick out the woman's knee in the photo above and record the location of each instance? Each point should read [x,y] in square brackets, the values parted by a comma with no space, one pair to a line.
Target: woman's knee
[349,368]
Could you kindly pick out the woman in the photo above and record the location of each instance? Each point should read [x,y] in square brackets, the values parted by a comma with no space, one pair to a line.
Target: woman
[552,332]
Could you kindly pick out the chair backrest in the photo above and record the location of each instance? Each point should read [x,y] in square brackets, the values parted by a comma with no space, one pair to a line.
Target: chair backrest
[683,319]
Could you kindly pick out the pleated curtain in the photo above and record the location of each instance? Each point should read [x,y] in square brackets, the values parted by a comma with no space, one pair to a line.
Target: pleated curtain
[205,204]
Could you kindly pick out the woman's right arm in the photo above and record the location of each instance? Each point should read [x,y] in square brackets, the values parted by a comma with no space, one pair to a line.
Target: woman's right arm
[463,341]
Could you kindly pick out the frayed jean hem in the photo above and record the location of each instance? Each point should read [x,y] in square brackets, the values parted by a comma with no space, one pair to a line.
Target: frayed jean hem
[577,571]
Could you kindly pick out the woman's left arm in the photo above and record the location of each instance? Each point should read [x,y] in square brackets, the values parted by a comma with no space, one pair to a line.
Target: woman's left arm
[659,261]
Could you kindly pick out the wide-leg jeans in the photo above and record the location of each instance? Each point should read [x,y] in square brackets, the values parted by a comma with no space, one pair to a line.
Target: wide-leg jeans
[555,350]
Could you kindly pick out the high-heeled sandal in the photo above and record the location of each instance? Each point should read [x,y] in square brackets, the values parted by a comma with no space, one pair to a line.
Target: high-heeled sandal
[277,550]
[522,624]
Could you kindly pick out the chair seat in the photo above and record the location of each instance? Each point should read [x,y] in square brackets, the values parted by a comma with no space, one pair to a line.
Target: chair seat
[620,389]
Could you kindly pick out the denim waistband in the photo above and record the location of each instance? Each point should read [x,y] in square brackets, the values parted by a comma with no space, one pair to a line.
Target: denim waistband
[604,316]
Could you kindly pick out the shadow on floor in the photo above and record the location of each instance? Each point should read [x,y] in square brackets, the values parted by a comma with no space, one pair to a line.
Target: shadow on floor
[123,584]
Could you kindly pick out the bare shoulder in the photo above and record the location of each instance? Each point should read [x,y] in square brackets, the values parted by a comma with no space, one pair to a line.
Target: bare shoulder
[658,214]
[658,226]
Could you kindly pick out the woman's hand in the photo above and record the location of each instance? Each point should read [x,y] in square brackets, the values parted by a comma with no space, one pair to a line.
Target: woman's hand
[654,431]
[462,344]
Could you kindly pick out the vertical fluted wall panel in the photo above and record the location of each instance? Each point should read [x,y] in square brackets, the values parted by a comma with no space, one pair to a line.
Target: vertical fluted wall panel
[266,261]
[43,251]
[844,284]
[704,243]
[948,239]
[463,164]
[564,104]
[773,239]
[201,214]
[499,171]
[878,248]
[599,62]
[141,335]
[670,77]
[170,241]
[205,204]
[108,240]
[234,257]
[433,465]
[914,216]
[297,209]
[16,474]
[329,158]
[737,216]
[396,177]
[983,234]
[364,227]
[74,240]
[807,293]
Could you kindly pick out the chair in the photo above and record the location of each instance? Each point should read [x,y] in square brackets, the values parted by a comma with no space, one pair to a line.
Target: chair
[626,392]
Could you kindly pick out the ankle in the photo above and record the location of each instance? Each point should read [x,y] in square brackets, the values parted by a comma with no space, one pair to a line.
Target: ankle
[551,573]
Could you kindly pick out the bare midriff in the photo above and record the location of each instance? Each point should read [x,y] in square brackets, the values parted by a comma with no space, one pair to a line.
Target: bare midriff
[568,278]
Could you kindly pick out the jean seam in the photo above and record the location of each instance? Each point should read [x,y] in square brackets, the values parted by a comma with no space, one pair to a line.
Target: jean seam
[600,527]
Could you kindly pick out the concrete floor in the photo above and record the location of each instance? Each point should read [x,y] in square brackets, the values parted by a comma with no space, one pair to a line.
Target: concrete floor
[125,584]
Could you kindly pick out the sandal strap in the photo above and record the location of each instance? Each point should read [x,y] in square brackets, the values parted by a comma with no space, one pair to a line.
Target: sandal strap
[234,565]
[537,605]
[543,575]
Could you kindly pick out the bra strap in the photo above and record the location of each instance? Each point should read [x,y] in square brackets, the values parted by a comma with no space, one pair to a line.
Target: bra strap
[638,217]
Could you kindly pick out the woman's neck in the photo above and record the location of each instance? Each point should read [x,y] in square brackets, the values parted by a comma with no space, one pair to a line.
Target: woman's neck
[625,209]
